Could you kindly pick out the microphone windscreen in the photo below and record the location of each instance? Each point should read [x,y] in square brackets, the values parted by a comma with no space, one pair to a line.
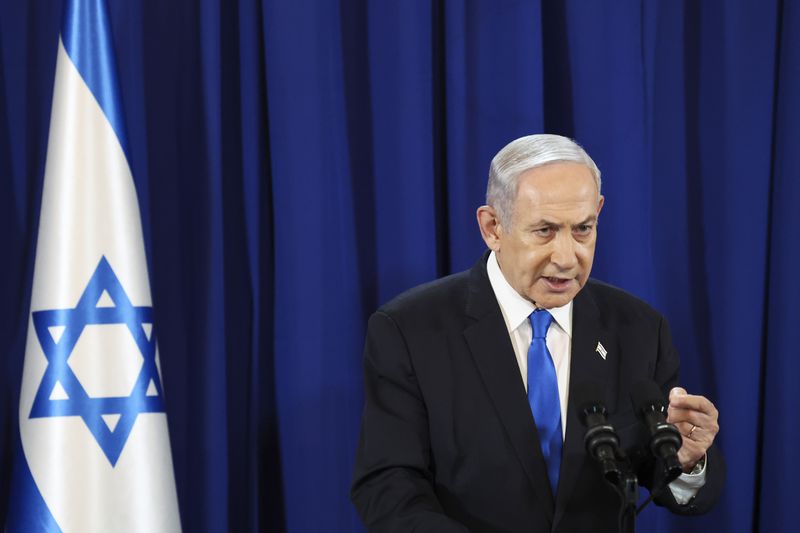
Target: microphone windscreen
[588,394]
[646,393]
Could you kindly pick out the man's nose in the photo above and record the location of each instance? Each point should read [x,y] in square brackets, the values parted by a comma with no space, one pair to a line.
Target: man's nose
[563,254]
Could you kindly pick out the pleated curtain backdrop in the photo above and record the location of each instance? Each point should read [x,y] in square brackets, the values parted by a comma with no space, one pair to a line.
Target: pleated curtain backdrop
[299,162]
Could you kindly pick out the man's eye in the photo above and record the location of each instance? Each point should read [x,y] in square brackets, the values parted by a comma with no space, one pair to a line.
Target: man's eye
[543,232]
[583,229]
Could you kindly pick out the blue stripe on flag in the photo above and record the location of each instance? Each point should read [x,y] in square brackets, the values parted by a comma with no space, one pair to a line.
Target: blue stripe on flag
[86,34]
[28,511]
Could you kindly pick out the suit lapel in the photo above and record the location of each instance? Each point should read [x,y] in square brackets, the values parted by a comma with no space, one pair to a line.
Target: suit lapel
[491,349]
[586,365]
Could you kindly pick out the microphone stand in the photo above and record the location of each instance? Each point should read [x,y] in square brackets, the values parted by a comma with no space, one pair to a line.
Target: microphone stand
[628,490]
[626,484]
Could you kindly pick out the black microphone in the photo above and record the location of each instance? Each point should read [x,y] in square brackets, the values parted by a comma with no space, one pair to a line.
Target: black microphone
[665,439]
[601,440]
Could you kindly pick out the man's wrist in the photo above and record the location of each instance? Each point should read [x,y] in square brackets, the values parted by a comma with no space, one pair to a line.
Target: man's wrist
[698,467]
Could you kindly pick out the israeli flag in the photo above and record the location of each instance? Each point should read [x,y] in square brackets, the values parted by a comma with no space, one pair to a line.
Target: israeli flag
[95,453]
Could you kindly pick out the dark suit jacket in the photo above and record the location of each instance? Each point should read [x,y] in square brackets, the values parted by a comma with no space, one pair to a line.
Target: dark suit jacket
[448,442]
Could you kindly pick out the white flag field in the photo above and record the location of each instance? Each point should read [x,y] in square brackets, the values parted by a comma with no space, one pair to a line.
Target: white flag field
[93,427]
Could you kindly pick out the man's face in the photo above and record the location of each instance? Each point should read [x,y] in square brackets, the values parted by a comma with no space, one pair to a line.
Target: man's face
[547,254]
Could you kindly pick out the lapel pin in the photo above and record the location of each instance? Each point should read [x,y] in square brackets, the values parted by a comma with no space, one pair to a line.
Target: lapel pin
[601,350]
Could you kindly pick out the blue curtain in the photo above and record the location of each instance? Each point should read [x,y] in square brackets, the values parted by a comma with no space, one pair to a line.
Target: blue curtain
[299,162]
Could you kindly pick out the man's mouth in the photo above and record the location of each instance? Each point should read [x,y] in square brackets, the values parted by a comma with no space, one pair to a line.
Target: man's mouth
[556,283]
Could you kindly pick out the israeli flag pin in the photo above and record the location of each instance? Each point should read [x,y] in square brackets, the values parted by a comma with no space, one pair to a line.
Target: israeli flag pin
[601,350]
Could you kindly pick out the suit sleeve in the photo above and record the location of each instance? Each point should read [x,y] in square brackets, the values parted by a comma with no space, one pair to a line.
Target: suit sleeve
[666,375]
[392,486]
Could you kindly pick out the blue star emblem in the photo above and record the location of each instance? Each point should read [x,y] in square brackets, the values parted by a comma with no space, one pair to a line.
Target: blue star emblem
[72,399]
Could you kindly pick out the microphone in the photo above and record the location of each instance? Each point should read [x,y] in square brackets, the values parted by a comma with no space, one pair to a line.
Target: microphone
[602,444]
[665,439]
[601,440]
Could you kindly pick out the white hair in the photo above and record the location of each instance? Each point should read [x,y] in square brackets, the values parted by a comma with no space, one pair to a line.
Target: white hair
[524,154]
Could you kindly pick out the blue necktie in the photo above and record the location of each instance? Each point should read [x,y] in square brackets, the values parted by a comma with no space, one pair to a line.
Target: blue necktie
[543,395]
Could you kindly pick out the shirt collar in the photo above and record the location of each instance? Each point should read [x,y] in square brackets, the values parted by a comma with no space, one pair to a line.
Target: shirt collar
[517,309]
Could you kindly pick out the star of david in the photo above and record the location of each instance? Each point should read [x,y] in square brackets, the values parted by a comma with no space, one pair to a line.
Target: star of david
[72,399]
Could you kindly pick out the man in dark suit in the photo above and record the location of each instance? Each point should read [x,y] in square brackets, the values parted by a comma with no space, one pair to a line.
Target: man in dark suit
[468,424]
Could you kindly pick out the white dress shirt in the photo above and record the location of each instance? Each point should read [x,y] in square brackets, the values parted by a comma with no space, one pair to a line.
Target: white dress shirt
[516,310]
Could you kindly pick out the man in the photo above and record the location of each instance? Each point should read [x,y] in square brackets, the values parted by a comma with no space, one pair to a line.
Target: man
[467,424]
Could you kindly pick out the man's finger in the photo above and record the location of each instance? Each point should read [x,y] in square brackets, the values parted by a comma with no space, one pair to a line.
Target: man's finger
[677,416]
[676,392]
[696,403]
[684,427]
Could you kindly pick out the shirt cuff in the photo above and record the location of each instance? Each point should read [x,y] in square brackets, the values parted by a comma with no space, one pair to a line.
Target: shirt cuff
[685,487]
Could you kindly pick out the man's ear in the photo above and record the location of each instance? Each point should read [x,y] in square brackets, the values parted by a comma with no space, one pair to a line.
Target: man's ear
[489,223]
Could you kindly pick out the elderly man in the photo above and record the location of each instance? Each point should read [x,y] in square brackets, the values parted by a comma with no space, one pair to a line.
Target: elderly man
[468,424]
